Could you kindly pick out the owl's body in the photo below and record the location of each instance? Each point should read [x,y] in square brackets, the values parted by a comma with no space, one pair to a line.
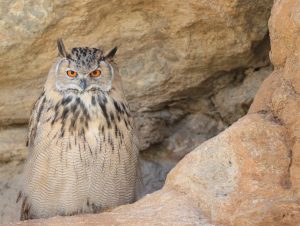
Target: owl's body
[82,145]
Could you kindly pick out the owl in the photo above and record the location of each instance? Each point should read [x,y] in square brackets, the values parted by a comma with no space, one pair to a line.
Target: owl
[83,148]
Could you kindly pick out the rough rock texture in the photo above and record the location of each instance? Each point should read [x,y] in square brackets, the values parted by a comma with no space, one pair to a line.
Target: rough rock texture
[10,185]
[167,53]
[238,174]
[190,69]
[12,142]
[247,175]
[160,208]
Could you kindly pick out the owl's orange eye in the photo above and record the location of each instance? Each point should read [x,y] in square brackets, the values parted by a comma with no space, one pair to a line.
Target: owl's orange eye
[95,74]
[71,73]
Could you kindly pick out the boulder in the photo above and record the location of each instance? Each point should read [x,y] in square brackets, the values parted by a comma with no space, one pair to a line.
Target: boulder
[238,174]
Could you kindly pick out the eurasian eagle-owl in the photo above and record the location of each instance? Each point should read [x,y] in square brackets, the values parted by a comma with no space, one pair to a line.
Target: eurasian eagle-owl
[83,153]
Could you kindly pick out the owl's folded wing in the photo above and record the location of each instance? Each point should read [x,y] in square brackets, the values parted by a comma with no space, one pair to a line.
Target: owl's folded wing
[34,119]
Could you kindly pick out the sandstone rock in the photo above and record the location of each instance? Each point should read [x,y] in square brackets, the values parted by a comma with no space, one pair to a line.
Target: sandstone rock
[13,144]
[154,173]
[249,174]
[241,169]
[228,104]
[164,55]
[161,208]
[10,184]
[284,99]
[233,101]
[12,154]
[187,135]
[178,62]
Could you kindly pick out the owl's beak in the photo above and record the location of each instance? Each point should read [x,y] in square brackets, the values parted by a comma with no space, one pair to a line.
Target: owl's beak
[82,84]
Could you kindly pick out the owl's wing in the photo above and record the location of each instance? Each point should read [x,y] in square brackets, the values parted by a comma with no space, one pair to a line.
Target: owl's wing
[136,147]
[34,119]
[33,122]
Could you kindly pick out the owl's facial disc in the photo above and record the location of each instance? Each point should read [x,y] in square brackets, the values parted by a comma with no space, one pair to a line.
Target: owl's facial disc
[71,77]
[84,70]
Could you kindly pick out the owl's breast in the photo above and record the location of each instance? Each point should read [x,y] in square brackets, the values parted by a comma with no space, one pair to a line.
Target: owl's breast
[82,151]
[84,127]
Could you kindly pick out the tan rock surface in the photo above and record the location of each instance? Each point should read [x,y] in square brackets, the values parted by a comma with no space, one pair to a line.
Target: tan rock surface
[174,58]
[178,60]
[233,101]
[13,151]
[13,144]
[249,174]
[161,208]
[10,184]
[165,54]
[284,100]
[241,171]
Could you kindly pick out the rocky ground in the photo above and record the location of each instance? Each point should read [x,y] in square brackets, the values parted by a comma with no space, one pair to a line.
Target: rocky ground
[190,69]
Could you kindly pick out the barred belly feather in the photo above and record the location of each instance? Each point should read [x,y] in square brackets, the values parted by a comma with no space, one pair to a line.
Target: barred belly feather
[83,155]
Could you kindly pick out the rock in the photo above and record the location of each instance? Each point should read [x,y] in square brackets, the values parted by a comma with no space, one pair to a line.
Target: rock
[154,173]
[233,101]
[188,134]
[168,208]
[284,98]
[10,184]
[248,174]
[164,56]
[178,64]
[228,104]
[13,144]
[241,170]
[13,152]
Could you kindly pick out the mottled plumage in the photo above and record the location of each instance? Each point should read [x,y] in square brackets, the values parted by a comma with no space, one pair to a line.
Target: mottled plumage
[82,144]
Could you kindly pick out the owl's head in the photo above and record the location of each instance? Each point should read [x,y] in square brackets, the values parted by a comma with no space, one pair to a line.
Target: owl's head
[83,69]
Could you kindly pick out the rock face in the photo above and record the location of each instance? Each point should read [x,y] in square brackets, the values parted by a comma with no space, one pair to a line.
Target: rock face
[190,69]
[248,174]
[241,172]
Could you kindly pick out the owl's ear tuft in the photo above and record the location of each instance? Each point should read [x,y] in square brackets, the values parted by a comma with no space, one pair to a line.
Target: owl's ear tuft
[61,48]
[111,53]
